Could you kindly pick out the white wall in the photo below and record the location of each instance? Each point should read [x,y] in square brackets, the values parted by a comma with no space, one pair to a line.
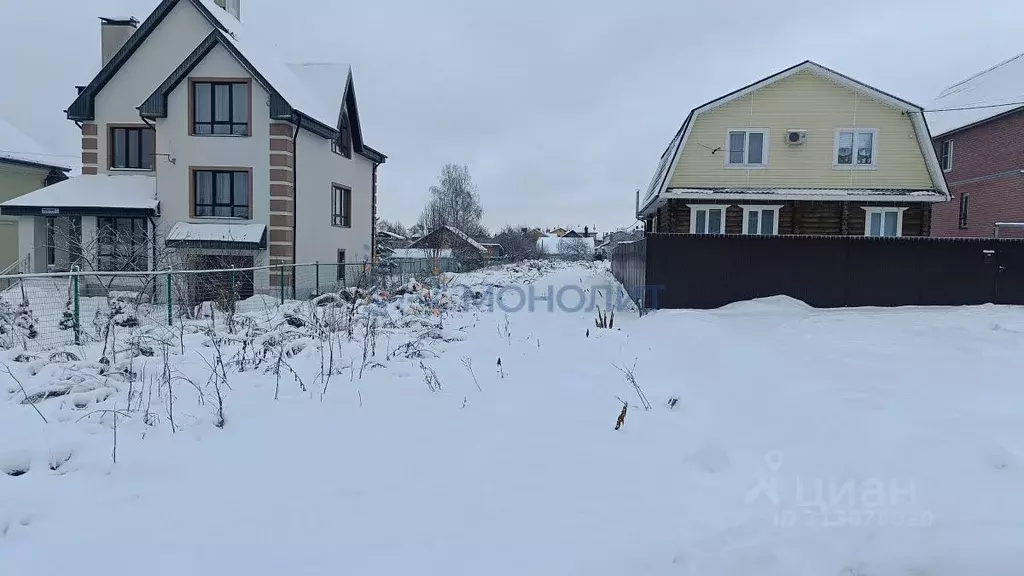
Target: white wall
[317,167]
[172,138]
[167,46]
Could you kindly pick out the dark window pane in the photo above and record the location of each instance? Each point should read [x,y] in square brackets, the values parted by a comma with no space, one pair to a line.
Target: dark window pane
[240,129]
[222,210]
[120,153]
[222,102]
[133,148]
[241,188]
[700,221]
[756,144]
[148,148]
[767,222]
[845,153]
[203,129]
[240,103]
[875,224]
[715,221]
[752,222]
[222,186]
[205,210]
[222,129]
[202,102]
[736,144]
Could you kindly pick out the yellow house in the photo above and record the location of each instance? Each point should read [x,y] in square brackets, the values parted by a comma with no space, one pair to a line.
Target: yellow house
[24,167]
[804,151]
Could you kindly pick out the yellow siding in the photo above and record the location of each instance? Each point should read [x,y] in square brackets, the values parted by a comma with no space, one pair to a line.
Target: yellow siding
[15,180]
[803,101]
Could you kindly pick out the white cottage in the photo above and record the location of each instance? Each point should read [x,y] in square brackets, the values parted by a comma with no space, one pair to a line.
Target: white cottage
[195,135]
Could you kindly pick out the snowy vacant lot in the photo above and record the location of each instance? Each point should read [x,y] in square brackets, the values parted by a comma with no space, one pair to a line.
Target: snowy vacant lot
[779,440]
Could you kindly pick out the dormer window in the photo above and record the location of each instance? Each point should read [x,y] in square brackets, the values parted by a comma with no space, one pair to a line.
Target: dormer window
[220,108]
[342,145]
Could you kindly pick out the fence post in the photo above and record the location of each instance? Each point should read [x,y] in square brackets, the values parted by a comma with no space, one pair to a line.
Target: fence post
[317,265]
[280,274]
[78,332]
[170,318]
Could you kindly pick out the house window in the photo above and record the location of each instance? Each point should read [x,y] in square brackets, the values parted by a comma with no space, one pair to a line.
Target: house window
[856,148]
[707,219]
[965,200]
[946,155]
[884,222]
[122,244]
[747,148]
[220,108]
[341,266]
[342,145]
[221,193]
[132,148]
[341,206]
[761,220]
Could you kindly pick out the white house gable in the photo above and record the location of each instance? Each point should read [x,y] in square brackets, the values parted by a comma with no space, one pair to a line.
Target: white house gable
[177,35]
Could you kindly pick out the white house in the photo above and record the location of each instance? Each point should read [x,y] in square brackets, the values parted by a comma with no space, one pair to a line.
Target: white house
[196,136]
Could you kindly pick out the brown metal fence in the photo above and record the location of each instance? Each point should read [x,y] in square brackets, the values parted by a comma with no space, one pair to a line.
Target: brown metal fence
[700,271]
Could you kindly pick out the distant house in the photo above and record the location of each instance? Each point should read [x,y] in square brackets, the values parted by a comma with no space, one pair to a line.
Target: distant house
[25,167]
[451,238]
[494,250]
[805,151]
[388,241]
[977,140]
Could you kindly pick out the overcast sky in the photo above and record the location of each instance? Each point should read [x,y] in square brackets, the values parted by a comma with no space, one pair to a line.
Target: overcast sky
[560,108]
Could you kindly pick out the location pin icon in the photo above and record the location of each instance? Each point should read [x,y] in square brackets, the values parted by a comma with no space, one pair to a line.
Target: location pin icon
[774,459]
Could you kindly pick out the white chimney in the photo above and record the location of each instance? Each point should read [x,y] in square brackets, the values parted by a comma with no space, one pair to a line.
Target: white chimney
[233,7]
[114,32]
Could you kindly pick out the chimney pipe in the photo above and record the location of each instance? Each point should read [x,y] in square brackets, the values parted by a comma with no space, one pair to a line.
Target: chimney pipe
[114,32]
[233,7]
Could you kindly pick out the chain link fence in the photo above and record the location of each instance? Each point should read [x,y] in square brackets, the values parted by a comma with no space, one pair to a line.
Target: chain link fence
[49,311]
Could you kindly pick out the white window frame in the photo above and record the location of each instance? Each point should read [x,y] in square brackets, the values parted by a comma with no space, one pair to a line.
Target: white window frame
[746,148]
[854,166]
[948,165]
[869,210]
[694,208]
[760,208]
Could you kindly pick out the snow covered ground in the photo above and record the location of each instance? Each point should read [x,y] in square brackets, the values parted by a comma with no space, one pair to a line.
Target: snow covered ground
[819,442]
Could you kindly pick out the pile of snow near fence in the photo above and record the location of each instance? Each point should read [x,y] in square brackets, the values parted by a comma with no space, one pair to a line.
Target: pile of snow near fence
[484,423]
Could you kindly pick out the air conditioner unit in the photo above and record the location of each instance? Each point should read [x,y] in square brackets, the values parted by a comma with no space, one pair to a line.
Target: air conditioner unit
[796,137]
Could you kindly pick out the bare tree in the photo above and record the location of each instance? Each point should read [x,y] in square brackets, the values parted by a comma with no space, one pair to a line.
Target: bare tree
[395,227]
[519,243]
[575,248]
[454,201]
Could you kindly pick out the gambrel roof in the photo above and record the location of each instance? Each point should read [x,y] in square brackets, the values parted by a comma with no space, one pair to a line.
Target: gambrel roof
[670,157]
[293,98]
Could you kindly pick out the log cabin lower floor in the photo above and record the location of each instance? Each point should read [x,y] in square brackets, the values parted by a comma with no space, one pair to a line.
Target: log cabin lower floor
[800,217]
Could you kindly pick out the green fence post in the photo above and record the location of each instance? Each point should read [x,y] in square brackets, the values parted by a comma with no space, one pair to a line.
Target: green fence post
[78,331]
[170,314]
[317,265]
[280,273]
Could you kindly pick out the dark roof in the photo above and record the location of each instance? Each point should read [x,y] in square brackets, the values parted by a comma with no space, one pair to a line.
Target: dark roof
[84,106]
